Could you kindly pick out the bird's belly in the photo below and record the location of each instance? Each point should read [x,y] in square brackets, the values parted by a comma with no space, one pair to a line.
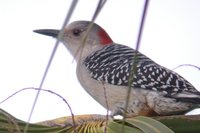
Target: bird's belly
[141,101]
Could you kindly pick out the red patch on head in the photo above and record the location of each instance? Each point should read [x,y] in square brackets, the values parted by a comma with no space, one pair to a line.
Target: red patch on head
[104,38]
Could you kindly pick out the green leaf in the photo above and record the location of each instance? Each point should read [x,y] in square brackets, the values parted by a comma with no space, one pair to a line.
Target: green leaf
[116,127]
[149,125]
[97,124]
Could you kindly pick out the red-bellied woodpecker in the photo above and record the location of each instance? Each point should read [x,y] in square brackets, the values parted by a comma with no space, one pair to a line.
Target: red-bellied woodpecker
[104,67]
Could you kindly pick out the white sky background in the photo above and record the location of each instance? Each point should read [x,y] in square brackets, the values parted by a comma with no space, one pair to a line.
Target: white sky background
[171,37]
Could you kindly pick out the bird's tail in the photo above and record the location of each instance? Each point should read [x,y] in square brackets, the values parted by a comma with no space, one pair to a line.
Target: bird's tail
[189,97]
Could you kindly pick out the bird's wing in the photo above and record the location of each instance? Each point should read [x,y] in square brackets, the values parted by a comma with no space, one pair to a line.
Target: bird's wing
[114,64]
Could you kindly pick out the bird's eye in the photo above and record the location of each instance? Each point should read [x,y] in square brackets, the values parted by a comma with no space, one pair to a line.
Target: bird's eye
[76,32]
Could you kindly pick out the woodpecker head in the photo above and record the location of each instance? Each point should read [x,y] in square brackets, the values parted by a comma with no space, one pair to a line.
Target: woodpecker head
[74,34]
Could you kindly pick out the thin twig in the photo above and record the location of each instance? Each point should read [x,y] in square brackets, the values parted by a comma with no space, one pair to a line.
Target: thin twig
[190,65]
[136,50]
[52,92]
[98,9]
[72,7]
[107,107]
[135,59]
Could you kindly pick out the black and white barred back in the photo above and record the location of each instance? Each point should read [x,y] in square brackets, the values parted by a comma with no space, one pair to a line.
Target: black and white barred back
[113,64]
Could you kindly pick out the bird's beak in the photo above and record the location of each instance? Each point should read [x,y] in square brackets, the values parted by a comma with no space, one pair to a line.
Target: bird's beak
[49,32]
